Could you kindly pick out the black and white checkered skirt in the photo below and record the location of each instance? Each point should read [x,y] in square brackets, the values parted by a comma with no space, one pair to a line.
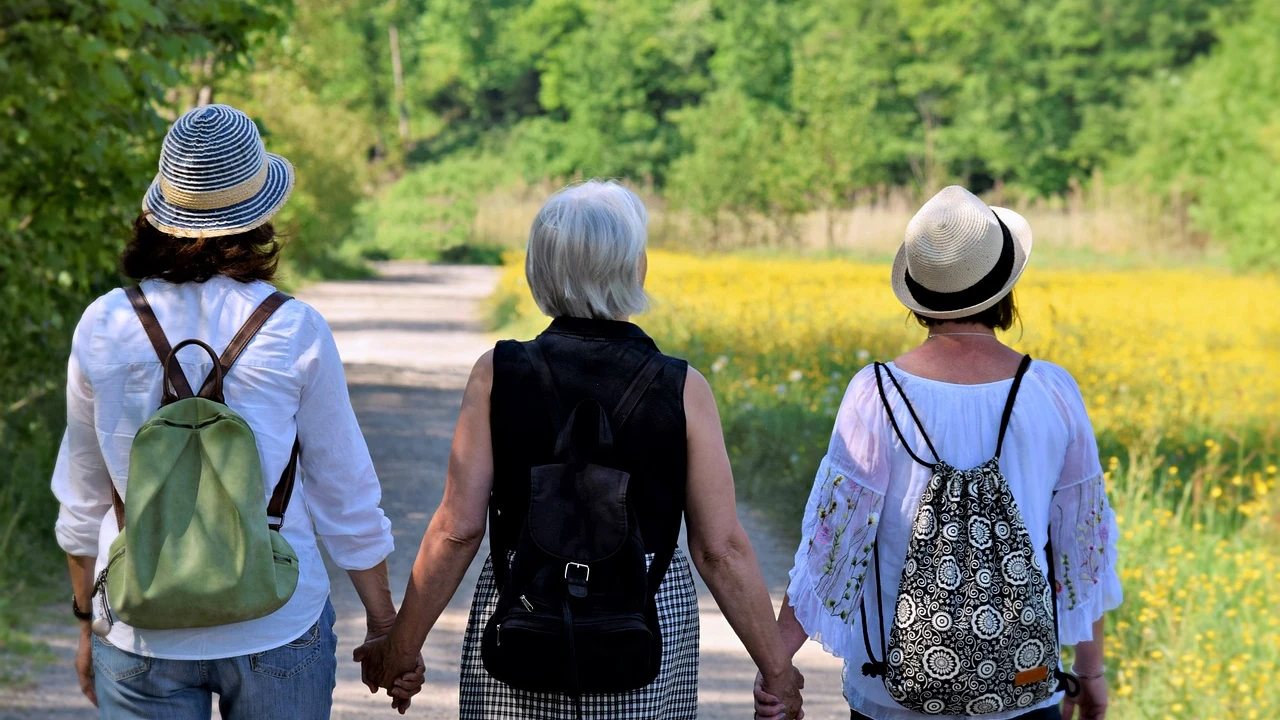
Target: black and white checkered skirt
[673,695]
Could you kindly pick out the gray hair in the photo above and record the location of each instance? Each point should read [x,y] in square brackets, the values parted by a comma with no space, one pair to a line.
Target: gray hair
[584,252]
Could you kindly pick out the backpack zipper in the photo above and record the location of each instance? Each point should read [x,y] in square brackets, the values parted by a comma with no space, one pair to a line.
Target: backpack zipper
[100,588]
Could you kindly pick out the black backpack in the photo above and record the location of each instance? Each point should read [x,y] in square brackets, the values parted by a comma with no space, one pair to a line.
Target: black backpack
[576,610]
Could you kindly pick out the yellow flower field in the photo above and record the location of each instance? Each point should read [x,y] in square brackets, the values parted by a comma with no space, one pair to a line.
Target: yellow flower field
[1180,370]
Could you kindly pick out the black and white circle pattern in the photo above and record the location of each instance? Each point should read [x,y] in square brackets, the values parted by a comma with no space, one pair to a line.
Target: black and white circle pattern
[988,623]
[949,575]
[1015,569]
[988,703]
[941,622]
[1030,654]
[974,607]
[941,663]
[980,532]
[906,612]
[926,524]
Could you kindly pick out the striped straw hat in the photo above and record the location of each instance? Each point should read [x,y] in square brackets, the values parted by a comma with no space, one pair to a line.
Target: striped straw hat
[216,178]
[960,256]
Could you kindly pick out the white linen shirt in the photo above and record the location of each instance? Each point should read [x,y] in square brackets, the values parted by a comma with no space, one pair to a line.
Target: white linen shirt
[868,488]
[289,382]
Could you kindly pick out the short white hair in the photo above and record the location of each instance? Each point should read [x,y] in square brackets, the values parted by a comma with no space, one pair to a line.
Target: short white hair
[584,252]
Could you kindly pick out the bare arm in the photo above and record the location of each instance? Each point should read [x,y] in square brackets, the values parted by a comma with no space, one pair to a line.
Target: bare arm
[1089,655]
[451,540]
[374,588]
[719,544]
[82,586]
[1091,703]
[793,634]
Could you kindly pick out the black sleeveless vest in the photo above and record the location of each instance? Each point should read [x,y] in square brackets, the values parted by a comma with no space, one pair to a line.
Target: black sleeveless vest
[596,359]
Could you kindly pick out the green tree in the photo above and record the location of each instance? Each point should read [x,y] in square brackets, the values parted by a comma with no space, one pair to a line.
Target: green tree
[1212,133]
[83,86]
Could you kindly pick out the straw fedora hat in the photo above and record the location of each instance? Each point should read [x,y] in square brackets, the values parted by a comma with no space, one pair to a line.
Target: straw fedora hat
[960,256]
[216,177]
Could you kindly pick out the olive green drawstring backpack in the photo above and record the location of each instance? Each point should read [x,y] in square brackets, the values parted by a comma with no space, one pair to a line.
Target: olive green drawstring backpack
[198,546]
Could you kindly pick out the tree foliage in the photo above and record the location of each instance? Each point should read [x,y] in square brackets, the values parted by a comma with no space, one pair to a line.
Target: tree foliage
[781,106]
[1213,133]
[85,91]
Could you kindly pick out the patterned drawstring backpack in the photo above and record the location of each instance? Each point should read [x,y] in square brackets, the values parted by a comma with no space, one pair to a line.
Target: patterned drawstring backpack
[975,630]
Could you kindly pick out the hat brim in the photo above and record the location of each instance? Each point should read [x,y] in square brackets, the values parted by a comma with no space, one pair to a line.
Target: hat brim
[1019,228]
[240,217]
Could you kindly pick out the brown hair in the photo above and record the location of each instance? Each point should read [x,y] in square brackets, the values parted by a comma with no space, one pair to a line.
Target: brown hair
[247,256]
[1000,316]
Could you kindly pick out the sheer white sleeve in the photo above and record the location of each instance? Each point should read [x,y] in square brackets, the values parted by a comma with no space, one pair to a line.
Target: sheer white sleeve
[1082,525]
[840,521]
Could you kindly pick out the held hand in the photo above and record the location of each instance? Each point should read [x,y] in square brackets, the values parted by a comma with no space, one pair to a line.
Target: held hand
[778,698]
[84,664]
[1091,702]
[381,665]
[406,686]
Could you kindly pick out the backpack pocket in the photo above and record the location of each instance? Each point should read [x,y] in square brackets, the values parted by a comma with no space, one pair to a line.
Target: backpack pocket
[530,650]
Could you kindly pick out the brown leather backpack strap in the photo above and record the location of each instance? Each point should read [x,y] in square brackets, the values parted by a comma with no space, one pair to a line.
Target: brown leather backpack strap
[160,344]
[284,490]
[117,504]
[237,346]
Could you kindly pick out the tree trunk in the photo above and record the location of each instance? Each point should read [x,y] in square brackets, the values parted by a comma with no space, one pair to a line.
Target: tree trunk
[398,72]
[204,70]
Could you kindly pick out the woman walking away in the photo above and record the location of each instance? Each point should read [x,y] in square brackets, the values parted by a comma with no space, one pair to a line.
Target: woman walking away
[193,481]
[958,530]
[586,447]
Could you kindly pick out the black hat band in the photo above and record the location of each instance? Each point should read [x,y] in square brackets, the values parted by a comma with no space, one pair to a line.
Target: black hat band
[985,289]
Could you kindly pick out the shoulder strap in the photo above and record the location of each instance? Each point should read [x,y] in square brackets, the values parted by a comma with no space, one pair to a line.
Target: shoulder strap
[279,502]
[549,392]
[873,667]
[1008,405]
[497,550]
[159,343]
[638,387]
[894,421]
[237,346]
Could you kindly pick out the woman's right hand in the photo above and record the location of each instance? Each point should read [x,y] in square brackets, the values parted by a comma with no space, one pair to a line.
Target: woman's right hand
[381,665]
[779,698]
[1091,702]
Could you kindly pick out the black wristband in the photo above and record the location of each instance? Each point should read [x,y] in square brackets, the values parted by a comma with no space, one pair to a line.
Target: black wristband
[81,614]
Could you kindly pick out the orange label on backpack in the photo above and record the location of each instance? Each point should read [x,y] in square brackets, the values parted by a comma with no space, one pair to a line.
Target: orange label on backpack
[1029,677]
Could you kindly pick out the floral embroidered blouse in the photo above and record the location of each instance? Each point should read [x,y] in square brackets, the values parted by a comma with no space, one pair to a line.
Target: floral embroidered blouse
[868,487]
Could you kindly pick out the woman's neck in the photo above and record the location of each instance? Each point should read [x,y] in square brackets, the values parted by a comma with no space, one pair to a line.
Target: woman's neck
[960,329]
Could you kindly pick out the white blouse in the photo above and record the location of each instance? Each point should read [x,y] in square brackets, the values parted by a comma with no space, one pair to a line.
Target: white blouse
[868,486]
[288,381]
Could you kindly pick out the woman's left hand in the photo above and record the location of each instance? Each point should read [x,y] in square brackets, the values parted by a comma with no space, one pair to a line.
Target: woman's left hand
[84,664]
[770,706]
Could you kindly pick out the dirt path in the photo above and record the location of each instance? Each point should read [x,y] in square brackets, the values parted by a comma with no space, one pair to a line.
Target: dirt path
[408,339]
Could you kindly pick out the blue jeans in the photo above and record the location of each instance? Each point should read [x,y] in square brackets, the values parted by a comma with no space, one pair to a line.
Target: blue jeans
[295,680]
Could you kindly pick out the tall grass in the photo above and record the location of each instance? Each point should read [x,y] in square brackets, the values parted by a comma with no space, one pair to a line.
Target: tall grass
[480,201]
[1095,224]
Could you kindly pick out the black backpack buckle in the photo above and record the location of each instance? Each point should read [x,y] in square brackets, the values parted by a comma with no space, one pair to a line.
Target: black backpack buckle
[577,575]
